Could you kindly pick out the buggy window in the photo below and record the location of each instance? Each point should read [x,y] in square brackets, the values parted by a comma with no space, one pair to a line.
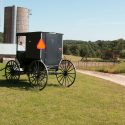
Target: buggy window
[21,43]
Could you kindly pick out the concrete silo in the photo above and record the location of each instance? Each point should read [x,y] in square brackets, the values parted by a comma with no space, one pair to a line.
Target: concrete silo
[22,24]
[16,19]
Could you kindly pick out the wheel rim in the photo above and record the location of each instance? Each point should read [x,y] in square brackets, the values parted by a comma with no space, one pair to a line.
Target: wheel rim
[66,73]
[12,71]
[38,75]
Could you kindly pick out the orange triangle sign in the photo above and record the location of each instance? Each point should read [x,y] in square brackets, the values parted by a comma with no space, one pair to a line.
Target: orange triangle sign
[41,44]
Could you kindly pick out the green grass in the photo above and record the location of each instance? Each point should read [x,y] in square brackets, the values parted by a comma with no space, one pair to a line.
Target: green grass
[72,58]
[116,69]
[78,58]
[90,101]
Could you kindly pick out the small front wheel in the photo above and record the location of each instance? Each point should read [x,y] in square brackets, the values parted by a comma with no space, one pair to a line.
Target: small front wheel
[12,71]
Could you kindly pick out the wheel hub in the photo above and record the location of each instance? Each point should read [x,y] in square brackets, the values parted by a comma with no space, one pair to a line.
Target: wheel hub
[65,73]
[12,71]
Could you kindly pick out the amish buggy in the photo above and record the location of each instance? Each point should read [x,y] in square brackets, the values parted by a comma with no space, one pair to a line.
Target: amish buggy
[39,54]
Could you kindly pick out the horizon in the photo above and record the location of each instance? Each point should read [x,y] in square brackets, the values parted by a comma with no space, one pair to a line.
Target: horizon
[83,20]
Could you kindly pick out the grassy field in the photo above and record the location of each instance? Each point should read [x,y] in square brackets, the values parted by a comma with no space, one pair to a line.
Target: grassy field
[90,101]
[78,58]
[72,58]
[117,68]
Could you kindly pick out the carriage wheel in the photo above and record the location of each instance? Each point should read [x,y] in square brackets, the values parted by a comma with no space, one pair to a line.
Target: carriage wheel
[38,75]
[12,70]
[66,73]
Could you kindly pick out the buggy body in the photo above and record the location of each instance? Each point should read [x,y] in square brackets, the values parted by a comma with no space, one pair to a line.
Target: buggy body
[51,55]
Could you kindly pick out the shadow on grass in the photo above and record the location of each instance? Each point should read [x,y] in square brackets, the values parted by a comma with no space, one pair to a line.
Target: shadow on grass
[22,85]
[53,85]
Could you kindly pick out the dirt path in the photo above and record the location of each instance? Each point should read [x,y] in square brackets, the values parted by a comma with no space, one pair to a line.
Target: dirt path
[119,79]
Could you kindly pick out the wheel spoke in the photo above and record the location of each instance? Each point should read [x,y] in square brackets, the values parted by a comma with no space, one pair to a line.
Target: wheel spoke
[59,75]
[69,79]
[60,69]
[31,76]
[14,77]
[65,82]
[8,69]
[70,70]
[61,66]
[72,73]
[8,75]
[69,67]
[61,79]
[71,76]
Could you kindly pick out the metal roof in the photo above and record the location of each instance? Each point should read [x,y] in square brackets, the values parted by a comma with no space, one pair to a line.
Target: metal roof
[8,49]
[26,33]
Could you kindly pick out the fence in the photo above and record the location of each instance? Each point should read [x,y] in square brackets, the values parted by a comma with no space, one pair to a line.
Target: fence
[81,64]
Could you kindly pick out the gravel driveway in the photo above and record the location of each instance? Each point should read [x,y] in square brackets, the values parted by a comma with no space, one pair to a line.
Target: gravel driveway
[119,79]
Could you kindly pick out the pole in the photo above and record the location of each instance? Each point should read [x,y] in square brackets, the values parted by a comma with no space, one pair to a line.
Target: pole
[14,17]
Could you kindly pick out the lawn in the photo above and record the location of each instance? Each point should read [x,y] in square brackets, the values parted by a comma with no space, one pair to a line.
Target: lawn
[90,101]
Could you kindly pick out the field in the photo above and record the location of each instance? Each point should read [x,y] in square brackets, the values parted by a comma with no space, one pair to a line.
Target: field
[78,58]
[107,67]
[72,58]
[90,101]
[115,69]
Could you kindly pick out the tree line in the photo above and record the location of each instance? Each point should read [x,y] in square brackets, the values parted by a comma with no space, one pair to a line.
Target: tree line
[97,49]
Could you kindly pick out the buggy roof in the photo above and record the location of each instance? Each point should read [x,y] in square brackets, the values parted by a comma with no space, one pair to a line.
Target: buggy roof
[38,32]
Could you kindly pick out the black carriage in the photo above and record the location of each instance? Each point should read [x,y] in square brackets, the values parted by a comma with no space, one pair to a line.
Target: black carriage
[39,54]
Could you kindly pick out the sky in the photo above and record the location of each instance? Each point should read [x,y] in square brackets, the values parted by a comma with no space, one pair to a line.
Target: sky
[76,19]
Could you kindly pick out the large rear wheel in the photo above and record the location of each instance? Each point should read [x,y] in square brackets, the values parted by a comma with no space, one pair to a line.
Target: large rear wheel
[38,75]
[66,73]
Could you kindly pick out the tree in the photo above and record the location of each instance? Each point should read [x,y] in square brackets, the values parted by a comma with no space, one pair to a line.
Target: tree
[66,49]
[74,49]
[91,50]
[84,52]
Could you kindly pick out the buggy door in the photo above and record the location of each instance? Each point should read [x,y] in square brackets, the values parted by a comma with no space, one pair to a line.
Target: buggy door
[31,46]
[53,49]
